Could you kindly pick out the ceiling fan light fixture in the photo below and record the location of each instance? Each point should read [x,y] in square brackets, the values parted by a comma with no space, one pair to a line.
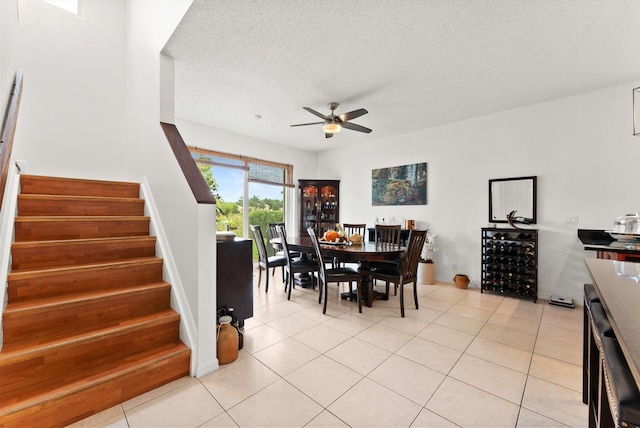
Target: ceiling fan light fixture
[331,128]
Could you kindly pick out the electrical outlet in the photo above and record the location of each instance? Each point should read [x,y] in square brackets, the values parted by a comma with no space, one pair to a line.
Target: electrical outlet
[455,266]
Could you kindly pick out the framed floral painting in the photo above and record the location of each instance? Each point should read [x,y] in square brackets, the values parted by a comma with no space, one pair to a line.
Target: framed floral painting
[399,185]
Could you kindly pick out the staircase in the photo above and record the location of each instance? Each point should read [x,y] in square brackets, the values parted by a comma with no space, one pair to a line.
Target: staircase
[88,323]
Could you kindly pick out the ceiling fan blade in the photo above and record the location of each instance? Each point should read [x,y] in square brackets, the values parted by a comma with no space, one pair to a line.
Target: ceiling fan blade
[312,111]
[305,124]
[352,114]
[327,135]
[354,127]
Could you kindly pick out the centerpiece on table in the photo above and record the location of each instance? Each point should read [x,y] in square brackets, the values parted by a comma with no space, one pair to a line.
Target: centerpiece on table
[426,266]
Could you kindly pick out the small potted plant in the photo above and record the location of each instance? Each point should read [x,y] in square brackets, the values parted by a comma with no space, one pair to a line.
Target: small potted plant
[426,266]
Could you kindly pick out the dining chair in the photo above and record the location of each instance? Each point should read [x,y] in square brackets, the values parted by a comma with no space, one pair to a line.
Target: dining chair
[295,265]
[387,234]
[384,235]
[406,272]
[264,260]
[338,275]
[353,228]
[273,233]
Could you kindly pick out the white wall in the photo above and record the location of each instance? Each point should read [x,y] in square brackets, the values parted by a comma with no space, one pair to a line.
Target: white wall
[580,148]
[72,103]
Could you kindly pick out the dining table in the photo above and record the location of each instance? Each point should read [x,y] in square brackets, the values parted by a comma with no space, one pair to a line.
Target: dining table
[362,253]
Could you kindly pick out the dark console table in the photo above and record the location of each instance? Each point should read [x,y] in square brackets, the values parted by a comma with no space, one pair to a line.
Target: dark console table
[606,247]
[235,277]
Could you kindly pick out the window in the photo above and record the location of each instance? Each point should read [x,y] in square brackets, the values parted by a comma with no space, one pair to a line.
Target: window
[247,190]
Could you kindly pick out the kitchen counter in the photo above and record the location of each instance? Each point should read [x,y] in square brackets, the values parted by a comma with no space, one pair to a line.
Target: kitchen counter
[620,297]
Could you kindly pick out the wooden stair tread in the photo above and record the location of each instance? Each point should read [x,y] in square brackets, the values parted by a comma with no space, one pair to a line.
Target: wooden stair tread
[78,197]
[47,304]
[146,358]
[53,242]
[67,218]
[8,354]
[38,184]
[84,267]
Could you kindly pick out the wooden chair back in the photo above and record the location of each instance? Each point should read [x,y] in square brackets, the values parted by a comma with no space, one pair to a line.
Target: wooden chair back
[353,228]
[387,234]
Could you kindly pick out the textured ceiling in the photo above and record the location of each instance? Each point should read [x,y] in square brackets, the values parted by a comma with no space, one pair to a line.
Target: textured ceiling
[413,64]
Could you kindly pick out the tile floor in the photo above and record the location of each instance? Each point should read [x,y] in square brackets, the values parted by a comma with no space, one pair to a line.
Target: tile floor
[463,359]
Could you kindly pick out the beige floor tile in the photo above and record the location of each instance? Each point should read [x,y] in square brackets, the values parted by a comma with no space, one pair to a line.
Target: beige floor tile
[446,336]
[430,354]
[556,371]
[499,353]
[521,308]
[384,337]
[487,302]
[369,404]
[529,419]
[358,355]
[326,420]
[154,393]
[457,322]
[286,356]
[569,322]
[222,421]
[555,402]
[237,381]
[407,378]
[277,310]
[559,350]
[507,336]
[493,378]
[321,337]
[450,294]
[561,334]
[250,323]
[470,312]
[412,327]
[190,405]
[323,379]
[278,405]
[468,406]
[428,419]
[293,324]
[261,337]
[425,313]
[525,325]
[436,304]
[349,323]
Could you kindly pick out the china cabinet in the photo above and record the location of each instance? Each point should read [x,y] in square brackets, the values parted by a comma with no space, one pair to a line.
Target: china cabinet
[319,205]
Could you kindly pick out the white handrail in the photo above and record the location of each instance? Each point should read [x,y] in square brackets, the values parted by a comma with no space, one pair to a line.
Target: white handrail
[188,329]
[7,221]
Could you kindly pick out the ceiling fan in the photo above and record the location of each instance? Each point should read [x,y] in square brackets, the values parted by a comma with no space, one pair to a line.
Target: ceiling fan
[333,123]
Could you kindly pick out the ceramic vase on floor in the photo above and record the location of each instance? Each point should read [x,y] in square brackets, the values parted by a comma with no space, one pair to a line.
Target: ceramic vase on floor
[461,281]
[427,272]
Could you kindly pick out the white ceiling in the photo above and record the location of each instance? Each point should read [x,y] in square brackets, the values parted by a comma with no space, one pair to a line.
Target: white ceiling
[412,64]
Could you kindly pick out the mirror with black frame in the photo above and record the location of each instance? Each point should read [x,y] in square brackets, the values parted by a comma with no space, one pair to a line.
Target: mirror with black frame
[512,194]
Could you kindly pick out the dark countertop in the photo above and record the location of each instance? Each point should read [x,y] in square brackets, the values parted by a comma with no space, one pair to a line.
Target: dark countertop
[620,297]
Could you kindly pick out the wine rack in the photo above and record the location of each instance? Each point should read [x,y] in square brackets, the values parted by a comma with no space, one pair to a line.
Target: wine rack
[510,262]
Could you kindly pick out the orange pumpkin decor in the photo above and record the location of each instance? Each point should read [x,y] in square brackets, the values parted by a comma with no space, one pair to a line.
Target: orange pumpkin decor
[331,235]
